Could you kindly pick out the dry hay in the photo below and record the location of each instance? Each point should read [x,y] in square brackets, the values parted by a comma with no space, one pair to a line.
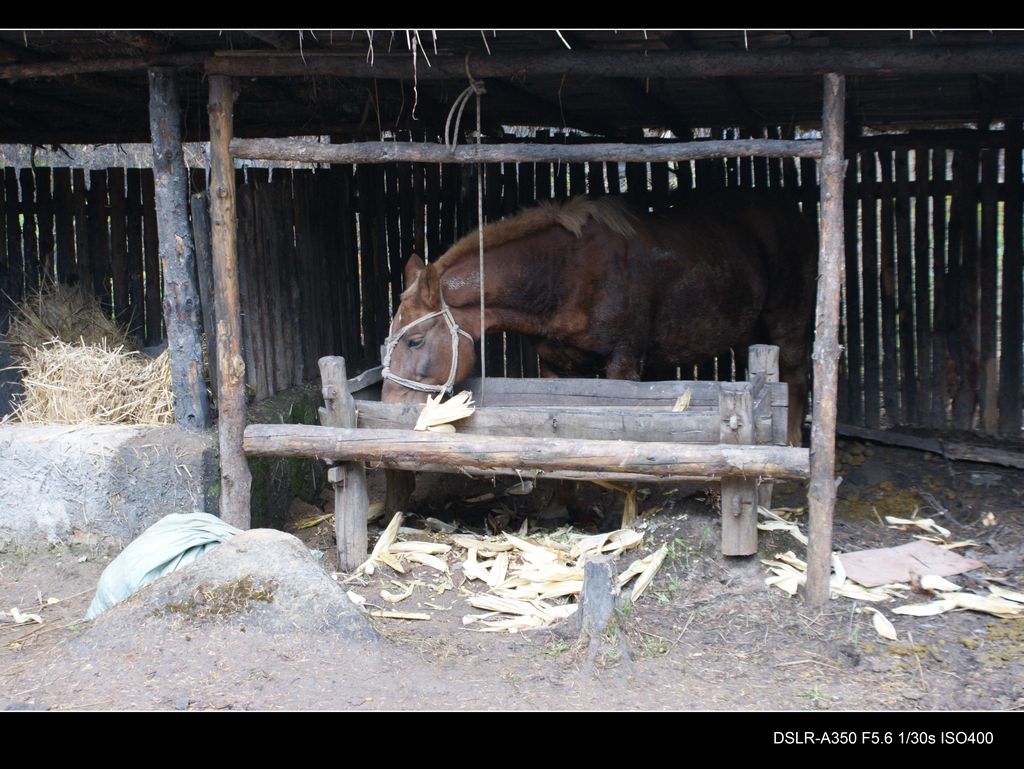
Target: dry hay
[93,385]
[69,313]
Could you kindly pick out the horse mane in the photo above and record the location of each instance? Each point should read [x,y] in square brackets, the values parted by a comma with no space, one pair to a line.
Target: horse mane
[573,214]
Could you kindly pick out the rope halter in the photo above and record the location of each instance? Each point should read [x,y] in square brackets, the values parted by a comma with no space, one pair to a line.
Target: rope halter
[392,341]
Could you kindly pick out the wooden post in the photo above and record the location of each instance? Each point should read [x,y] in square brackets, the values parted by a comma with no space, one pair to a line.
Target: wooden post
[1013,263]
[351,501]
[940,330]
[821,496]
[204,271]
[177,254]
[763,360]
[739,495]
[872,295]
[988,369]
[234,470]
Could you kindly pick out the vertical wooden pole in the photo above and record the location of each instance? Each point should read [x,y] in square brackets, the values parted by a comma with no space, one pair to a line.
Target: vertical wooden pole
[13,284]
[1013,292]
[940,329]
[64,224]
[136,318]
[904,290]
[83,263]
[965,402]
[763,359]
[890,366]
[99,237]
[988,369]
[351,501]
[739,495]
[177,254]
[119,242]
[234,470]
[821,496]
[854,351]
[922,283]
[151,260]
[204,271]
[29,229]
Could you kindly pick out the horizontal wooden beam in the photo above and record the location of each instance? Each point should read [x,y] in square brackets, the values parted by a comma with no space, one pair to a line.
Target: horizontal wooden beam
[693,426]
[908,60]
[964,452]
[87,66]
[928,138]
[551,475]
[394,447]
[409,152]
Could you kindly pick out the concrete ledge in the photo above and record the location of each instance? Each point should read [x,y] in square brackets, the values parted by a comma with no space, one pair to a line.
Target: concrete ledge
[109,481]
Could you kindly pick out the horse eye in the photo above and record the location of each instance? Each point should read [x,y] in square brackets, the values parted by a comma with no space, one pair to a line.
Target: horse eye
[414,343]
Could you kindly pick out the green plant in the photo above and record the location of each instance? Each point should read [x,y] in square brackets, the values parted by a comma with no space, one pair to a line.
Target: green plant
[556,648]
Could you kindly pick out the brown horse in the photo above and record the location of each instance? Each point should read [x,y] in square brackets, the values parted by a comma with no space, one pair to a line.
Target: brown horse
[603,289]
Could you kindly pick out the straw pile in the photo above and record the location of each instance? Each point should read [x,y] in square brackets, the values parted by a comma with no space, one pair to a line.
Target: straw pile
[93,385]
[79,367]
[62,312]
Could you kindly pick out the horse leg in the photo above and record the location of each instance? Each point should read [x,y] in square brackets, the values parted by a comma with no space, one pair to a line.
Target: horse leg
[795,375]
[793,338]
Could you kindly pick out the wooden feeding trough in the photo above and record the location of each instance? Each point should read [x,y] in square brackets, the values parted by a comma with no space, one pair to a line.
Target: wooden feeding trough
[733,433]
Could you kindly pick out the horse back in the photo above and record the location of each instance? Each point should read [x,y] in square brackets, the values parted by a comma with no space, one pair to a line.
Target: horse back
[720,268]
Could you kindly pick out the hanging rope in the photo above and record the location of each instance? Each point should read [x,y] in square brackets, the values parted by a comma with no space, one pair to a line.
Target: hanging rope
[475,87]
[480,229]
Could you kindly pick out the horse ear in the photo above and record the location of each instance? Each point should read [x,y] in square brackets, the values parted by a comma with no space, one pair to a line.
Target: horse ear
[413,267]
[430,286]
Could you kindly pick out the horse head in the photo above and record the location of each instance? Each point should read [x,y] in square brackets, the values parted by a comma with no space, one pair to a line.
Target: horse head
[427,350]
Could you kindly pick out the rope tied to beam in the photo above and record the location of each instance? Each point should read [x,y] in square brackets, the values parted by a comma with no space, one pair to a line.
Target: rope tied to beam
[475,87]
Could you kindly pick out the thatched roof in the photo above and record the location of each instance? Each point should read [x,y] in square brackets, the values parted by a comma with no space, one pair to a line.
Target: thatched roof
[91,86]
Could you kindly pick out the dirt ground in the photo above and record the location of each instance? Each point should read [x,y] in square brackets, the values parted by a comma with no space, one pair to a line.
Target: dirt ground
[707,634]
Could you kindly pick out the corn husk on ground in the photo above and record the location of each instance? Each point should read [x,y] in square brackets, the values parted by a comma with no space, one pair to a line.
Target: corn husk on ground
[788,572]
[518,582]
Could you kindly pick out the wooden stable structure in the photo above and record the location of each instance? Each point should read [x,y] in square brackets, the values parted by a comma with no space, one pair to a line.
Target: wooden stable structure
[929,314]
[235,476]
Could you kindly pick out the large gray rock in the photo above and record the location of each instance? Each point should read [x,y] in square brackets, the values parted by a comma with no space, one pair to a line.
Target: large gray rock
[261,580]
